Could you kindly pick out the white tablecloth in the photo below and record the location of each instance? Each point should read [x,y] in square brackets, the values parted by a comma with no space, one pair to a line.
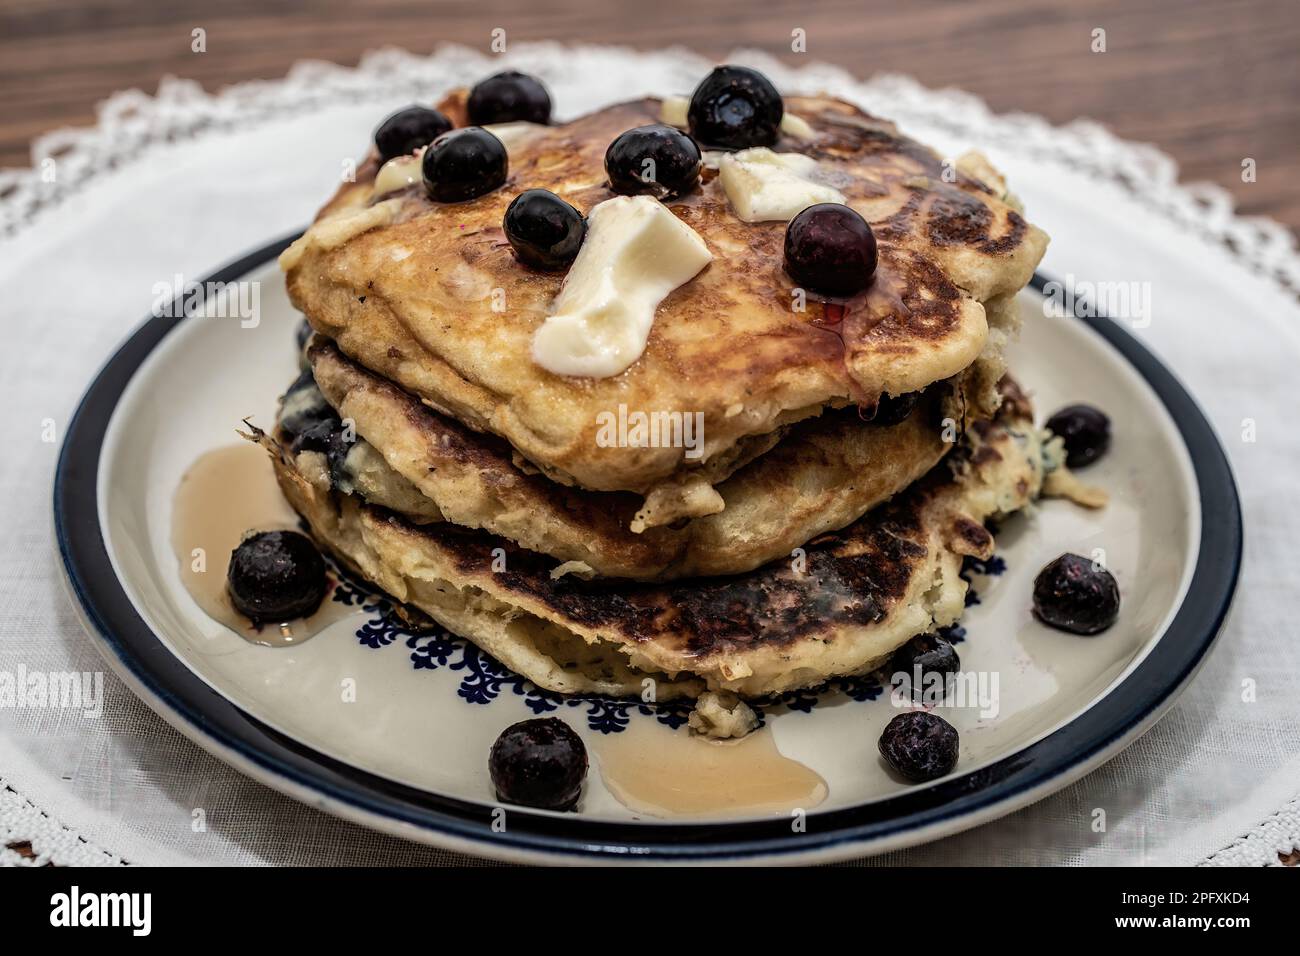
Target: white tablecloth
[184,181]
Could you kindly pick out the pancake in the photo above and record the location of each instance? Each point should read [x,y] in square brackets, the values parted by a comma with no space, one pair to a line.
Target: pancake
[431,297]
[841,607]
[824,474]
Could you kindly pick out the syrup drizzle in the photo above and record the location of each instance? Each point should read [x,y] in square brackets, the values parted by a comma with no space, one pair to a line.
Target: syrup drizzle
[659,772]
[226,494]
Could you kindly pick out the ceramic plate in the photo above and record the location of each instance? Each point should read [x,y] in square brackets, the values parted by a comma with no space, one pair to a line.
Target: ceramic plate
[408,754]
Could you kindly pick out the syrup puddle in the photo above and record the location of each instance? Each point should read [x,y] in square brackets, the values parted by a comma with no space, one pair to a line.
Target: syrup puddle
[225,494]
[664,773]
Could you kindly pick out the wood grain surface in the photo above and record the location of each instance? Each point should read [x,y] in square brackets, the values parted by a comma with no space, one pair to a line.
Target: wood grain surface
[1212,82]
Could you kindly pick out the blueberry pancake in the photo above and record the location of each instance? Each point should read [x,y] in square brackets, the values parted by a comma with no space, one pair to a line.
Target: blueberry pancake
[437,297]
[824,473]
[707,393]
[840,607]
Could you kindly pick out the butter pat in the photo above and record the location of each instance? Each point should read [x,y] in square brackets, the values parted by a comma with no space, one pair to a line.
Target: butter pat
[399,172]
[762,185]
[636,253]
[333,231]
[796,126]
[513,135]
[673,110]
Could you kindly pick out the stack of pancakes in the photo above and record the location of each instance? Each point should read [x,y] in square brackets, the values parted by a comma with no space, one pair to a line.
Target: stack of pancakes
[819,470]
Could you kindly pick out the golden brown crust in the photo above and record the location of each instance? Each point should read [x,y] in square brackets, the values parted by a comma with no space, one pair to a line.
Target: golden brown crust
[824,474]
[413,299]
[841,607]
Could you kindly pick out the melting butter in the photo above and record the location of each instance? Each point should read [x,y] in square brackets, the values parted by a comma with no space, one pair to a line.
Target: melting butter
[399,173]
[636,253]
[763,186]
[712,158]
[334,230]
[796,126]
[673,110]
[514,135]
[672,773]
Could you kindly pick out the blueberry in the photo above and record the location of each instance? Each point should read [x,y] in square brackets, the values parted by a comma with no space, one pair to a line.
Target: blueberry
[735,107]
[313,428]
[336,456]
[539,763]
[830,249]
[1075,594]
[407,130]
[924,655]
[319,429]
[464,164]
[919,745]
[507,98]
[302,334]
[893,409]
[1085,431]
[545,231]
[303,410]
[658,160]
[276,576]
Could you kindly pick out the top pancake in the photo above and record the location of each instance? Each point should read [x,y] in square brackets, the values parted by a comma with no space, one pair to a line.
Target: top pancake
[413,297]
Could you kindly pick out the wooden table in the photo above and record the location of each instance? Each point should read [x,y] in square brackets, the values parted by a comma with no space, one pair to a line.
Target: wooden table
[1210,81]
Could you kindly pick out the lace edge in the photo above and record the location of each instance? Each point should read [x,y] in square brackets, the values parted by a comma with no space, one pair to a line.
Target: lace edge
[66,160]
[1265,845]
[31,837]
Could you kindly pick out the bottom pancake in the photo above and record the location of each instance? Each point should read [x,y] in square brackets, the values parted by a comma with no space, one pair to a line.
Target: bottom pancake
[839,606]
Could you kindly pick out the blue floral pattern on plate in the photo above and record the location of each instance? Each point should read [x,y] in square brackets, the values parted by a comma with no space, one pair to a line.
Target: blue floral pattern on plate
[484,679]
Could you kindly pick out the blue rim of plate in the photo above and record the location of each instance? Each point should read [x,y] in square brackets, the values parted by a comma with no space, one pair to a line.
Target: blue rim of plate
[1090,738]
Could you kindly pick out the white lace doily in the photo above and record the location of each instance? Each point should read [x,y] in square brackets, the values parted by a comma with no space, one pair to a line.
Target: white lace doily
[181,181]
